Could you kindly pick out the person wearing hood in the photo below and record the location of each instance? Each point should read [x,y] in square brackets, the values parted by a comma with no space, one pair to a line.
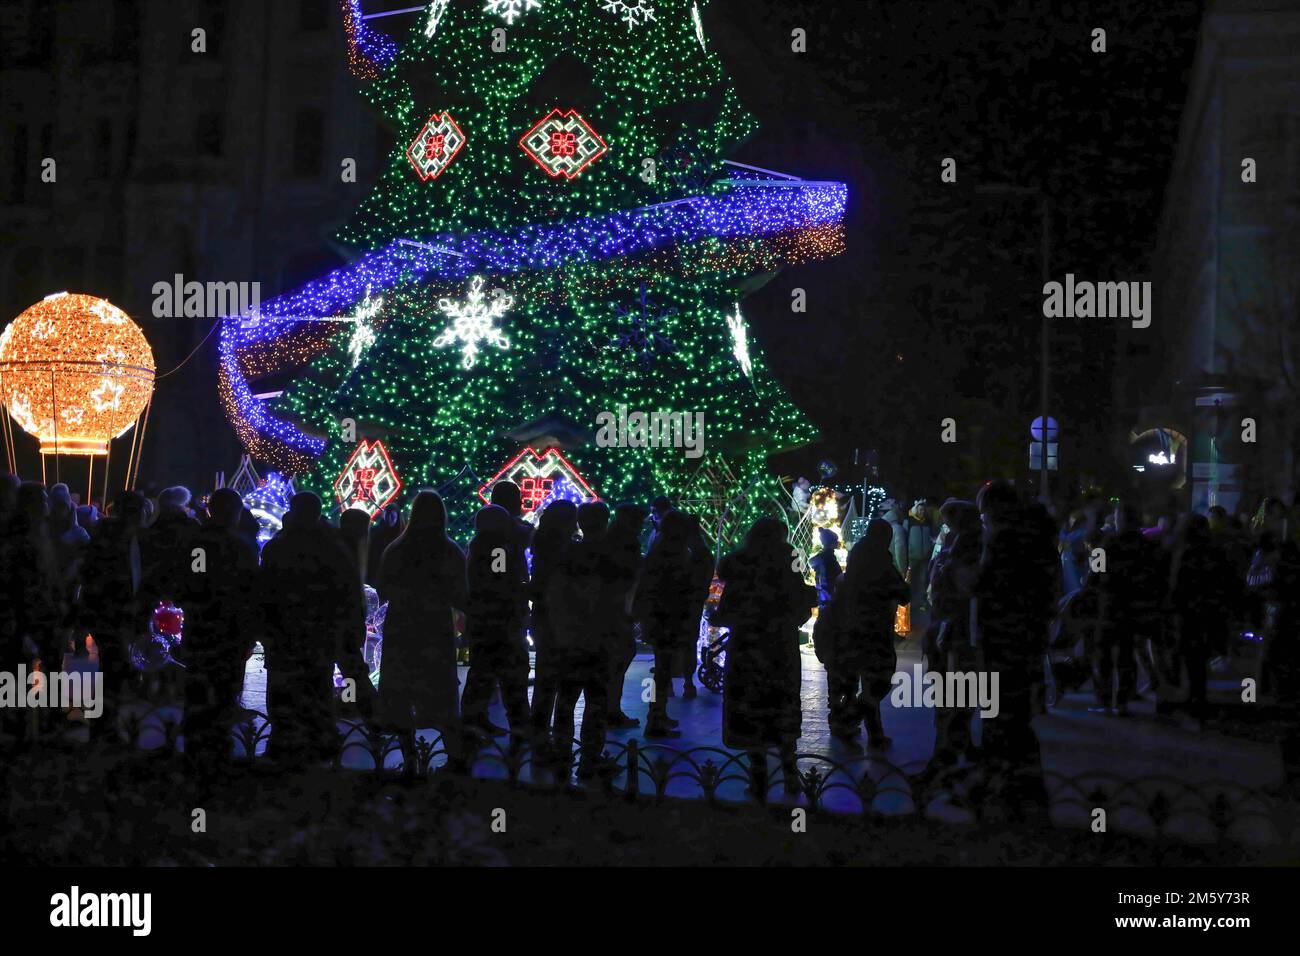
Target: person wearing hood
[315,617]
[166,547]
[920,546]
[892,512]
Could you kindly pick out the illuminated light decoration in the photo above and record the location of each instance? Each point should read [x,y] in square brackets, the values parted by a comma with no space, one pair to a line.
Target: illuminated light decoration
[699,25]
[634,14]
[370,51]
[268,503]
[75,372]
[436,11]
[363,336]
[510,10]
[435,146]
[537,474]
[567,250]
[749,225]
[740,342]
[1160,458]
[471,322]
[563,144]
[368,481]
[644,342]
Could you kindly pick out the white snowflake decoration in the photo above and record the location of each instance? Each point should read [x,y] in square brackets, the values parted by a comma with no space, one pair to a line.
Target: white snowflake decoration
[634,14]
[471,322]
[436,10]
[509,10]
[740,341]
[363,336]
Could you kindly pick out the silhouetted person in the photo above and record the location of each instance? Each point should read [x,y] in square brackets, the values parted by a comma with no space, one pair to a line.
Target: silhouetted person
[12,720]
[387,528]
[498,655]
[422,578]
[555,530]
[166,547]
[864,658]
[354,531]
[111,608]
[669,601]
[219,595]
[36,583]
[687,658]
[506,494]
[952,585]
[1015,602]
[579,633]
[1286,660]
[1131,592]
[764,601]
[315,617]
[620,569]
[1202,583]
[68,539]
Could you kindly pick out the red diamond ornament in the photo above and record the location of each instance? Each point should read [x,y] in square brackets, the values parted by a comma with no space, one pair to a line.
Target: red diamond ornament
[436,145]
[563,144]
[368,481]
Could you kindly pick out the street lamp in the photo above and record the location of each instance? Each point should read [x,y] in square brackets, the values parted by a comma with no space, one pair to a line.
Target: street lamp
[1004,189]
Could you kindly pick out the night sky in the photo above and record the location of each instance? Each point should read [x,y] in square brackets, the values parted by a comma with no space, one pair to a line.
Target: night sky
[933,310]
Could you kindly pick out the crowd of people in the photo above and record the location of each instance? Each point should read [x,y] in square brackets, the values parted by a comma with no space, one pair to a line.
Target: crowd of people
[998,583]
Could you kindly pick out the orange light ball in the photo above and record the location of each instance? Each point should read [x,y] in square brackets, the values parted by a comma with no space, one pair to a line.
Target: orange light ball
[75,372]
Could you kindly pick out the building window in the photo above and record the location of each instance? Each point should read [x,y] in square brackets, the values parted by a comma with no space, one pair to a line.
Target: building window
[209,133]
[103,164]
[18,171]
[308,144]
[313,15]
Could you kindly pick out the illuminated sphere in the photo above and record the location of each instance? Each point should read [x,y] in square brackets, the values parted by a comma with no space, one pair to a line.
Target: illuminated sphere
[75,372]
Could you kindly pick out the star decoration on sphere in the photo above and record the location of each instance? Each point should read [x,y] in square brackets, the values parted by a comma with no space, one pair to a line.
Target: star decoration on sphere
[108,313]
[112,359]
[21,409]
[509,10]
[73,416]
[472,322]
[645,343]
[740,341]
[634,14]
[108,395]
[363,335]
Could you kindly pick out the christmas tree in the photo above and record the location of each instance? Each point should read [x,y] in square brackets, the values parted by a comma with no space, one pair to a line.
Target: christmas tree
[557,236]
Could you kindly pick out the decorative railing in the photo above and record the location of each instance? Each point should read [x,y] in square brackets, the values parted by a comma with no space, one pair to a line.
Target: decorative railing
[1158,806]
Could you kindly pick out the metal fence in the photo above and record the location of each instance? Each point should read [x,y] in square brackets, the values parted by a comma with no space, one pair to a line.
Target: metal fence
[867,786]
